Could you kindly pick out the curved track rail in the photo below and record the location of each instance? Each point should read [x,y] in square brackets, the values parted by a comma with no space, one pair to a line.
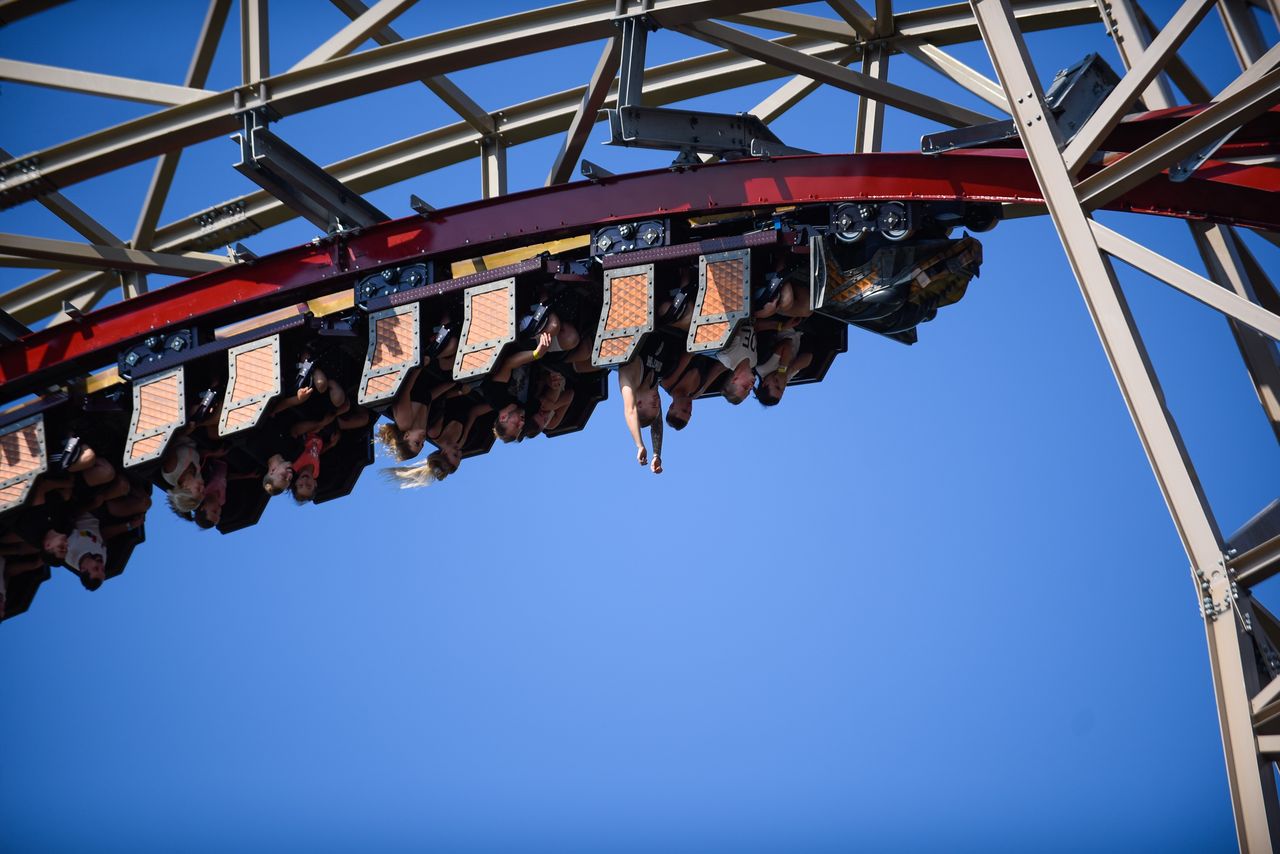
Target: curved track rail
[1222,192]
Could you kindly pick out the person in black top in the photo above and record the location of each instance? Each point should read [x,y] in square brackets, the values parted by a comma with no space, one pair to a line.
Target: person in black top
[41,528]
[691,378]
[780,359]
[406,434]
[658,357]
[449,433]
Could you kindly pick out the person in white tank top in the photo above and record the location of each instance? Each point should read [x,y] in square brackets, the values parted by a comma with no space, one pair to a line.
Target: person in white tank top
[739,357]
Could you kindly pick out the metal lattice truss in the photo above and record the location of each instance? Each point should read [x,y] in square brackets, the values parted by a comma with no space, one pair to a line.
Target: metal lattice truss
[851,49]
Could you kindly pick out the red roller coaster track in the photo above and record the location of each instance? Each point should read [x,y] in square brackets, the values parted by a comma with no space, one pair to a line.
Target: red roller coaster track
[1219,191]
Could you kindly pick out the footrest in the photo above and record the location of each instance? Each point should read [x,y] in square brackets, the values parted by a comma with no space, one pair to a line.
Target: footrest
[488,325]
[724,299]
[159,408]
[395,348]
[23,458]
[627,315]
[253,378]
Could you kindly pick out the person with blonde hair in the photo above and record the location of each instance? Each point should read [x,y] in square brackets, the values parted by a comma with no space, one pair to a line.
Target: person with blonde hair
[406,433]
[449,433]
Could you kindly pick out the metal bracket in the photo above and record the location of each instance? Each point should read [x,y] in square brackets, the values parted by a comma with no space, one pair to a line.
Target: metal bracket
[630,236]
[635,41]
[1073,96]
[594,172]
[1184,169]
[691,132]
[300,184]
[241,254]
[394,280]
[156,349]
[1217,591]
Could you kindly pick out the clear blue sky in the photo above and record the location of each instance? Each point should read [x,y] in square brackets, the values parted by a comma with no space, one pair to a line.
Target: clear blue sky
[935,603]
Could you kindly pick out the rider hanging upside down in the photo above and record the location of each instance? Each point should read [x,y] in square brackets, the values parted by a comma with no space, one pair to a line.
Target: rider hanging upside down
[550,336]
[780,359]
[638,380]
[449,434]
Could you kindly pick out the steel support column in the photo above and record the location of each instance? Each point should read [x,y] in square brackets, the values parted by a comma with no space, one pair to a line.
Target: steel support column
[870,127]
[493,167]
[1223,257]
[1249,775]
[585,118]
[1219,254]
[254,52]
[1125,25]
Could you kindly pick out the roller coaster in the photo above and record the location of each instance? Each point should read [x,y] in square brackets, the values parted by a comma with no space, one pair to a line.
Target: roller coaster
[739,269]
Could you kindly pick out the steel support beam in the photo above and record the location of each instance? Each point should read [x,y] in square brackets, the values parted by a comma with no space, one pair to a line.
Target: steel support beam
[1127,25]
[110,257]
[1142,72]
[42,297]
[457,143]
[84,225]
[457,100]
[1265,697]
[355,33]
[1202,290]
[855,16]
[1252,793]
[1243,32]
[337,80]
[1165,150]
[884,19]
[1178,71]
[835,75]
[813,26]
[1258,353]
[869,130]
[162,176]
[308,189]
[956,71]
[585,118]
[1233,268]
[1257,565]
[493,167]
[794,91]
[255,54]
[18,261]
[105,85]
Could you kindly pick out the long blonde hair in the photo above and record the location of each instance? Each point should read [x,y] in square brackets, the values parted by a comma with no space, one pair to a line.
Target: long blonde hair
[392,438]
[431,470]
